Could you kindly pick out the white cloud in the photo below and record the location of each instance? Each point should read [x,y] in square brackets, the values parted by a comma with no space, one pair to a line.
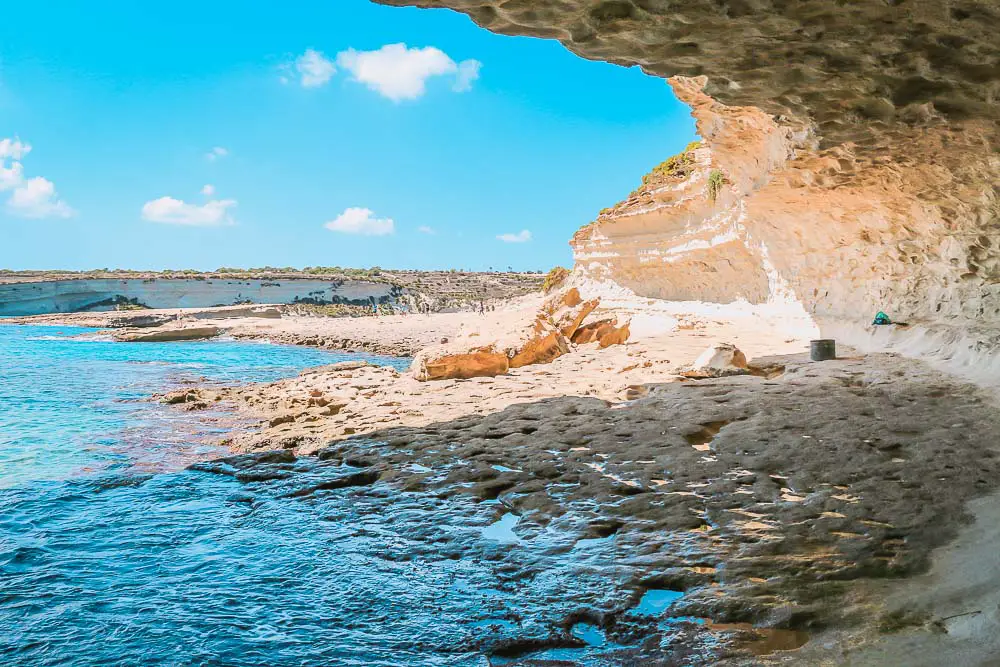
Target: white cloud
[208,190]
[522,236]
[172,211]
[401,73]
[11,177]
[13,148]
[30,197]
[314,69]
[361,221]
[216,153]
[468,71]
[37,198]
[424,229]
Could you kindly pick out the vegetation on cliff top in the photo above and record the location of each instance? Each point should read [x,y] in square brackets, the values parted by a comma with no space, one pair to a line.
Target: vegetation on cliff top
[375,273]
[677,166]
[555,278]
[446,286]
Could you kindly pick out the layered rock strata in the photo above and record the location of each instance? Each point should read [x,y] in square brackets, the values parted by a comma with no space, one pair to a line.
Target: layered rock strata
[753,215]
[26,293]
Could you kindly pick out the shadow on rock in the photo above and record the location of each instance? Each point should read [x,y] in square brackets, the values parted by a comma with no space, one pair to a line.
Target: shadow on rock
[763,500]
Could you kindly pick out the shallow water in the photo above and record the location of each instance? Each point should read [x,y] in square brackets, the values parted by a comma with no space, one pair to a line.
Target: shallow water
[113,553]
[655,602]
[71,405]
[502,530]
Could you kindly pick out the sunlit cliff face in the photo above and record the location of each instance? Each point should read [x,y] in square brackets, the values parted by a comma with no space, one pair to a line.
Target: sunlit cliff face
[850,156]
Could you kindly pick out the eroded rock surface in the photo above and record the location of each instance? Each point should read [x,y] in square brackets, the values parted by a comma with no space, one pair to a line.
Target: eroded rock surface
[858,72]
[766,502]
[380,397]
[787,224]
[850,155]
[718,360]
[779,490]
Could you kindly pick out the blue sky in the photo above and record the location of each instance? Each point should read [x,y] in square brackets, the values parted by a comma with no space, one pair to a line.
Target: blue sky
[322,142]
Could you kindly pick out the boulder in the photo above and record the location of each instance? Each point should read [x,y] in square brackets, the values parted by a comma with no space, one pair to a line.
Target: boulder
[615,336]
[166,334]
[592,331]
[441,363]
[568,310]
[195,398]
[182,396]
[501,342]
[606,332]
[719,360]
[544,343]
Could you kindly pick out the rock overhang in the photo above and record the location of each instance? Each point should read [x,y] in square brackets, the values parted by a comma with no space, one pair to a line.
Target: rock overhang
[853,70]
[859,143]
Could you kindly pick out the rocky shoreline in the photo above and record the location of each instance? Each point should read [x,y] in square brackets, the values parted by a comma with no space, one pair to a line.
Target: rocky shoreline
[785,504]
[775,505]
[391,335]
[401,345]
[328,290]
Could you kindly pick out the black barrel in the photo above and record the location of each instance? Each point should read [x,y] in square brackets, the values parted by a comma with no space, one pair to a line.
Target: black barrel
[822,349]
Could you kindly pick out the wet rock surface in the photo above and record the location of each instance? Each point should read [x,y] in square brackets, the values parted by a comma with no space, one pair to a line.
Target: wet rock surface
[518,600]
[767,502]
[166,334]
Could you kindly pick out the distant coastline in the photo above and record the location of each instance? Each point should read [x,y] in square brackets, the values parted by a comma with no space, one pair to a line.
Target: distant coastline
[332,290]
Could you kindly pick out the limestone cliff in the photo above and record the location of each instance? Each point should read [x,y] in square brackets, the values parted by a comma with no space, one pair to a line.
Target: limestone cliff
[64,296]
[849,160]
[37,292]
[756,214]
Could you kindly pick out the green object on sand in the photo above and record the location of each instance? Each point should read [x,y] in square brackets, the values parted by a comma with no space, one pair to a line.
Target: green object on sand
[881,318]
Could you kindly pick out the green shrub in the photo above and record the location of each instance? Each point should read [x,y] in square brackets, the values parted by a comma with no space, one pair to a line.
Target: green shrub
[677,166]
[716,180]
[555,278]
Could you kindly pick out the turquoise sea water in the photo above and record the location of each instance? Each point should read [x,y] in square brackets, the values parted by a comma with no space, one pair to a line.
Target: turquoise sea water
[72,406]
[114,553]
